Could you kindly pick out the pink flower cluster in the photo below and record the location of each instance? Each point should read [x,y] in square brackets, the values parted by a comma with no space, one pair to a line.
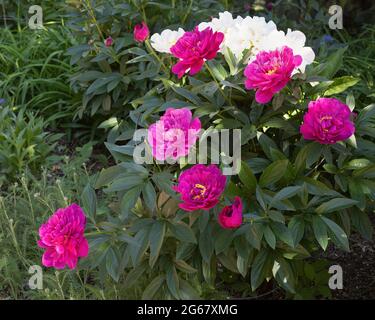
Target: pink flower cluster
[62,237]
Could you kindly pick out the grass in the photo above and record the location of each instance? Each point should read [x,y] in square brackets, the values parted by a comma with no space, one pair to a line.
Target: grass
[35,71]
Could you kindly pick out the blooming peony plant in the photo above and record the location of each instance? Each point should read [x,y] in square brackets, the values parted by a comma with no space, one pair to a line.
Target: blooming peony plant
[305,167]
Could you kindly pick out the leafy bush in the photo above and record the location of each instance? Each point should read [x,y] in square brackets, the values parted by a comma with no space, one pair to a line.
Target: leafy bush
[298,196]
[24,143]
[111,77]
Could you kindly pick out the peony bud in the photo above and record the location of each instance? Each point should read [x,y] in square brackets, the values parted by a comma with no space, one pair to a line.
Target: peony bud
[141,32]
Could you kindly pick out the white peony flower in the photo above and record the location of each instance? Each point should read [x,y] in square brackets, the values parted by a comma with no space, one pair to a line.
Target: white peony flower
[225,24]
[222,24]
[166,39]
[293,39]
[248,34]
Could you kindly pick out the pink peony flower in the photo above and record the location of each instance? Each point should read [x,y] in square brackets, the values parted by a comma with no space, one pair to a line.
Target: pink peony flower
[63,238]
[327,121]
[108,42]
[141,32]
[200,187]
[174,134]
[194,48]
[270,72]
[231,216]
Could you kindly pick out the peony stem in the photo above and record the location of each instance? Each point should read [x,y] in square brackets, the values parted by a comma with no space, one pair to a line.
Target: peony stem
[152,51]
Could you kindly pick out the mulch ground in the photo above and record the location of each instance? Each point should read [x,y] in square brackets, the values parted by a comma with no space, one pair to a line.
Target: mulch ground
[358,268]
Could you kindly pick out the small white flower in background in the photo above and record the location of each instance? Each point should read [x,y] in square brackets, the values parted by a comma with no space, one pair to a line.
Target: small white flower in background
[164,41]
[293,39]
[248,34]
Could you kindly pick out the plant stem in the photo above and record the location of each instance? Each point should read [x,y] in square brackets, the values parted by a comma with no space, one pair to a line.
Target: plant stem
[152,51]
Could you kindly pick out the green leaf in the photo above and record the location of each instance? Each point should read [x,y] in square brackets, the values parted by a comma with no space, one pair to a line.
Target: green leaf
[273,173]
[287,193]
[297,229]
[129,200]
[112,264]
[320,231]
[173,282]
[134,275]
[125,183]
[283,233]
[223,240]
[247,177]
[362,223]
[357,164]
[182,232]
[187,292]
[276,216]
[266,143]
[157,234]
[332,64]
[187,94]
[153,287]
[206,245]
[270,237]
[260,268]
[106,176]
[340,238]
[366,114]
[308,155]
[255,234]
[89,201]
[149,195]
[341,84]
[218,70]
[335,205]
[283,274]
[184,267]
